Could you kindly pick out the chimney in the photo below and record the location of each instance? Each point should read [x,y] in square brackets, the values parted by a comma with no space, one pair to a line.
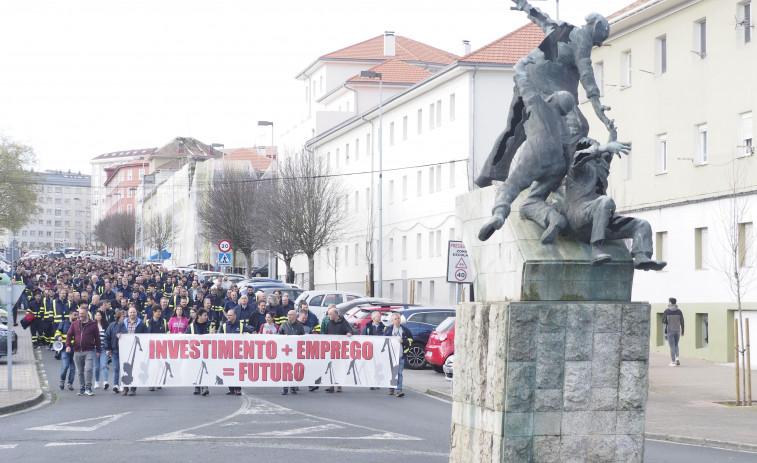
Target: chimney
[389,43]
[466,47]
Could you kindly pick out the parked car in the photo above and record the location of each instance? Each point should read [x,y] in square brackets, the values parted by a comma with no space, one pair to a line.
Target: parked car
[269,287]
[55,254]
[367,301]
[441,344]
[360,316]
[260,271]
[4,341]
[448,365]
[319,300]
[421,321]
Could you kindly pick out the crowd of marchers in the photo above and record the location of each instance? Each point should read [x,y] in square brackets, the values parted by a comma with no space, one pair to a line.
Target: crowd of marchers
[80,308]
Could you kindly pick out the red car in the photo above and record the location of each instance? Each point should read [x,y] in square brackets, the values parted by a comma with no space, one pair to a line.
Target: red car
[441,344]
[358,317]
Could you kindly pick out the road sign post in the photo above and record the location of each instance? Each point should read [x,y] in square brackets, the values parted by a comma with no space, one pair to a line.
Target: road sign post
[458,264]
[224,259]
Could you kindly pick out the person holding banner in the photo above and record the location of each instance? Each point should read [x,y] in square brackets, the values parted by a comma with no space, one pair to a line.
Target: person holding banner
[234,326]
[201,326]
[405,338]
[337,325]
[291,327]
[111,343]
[68,360]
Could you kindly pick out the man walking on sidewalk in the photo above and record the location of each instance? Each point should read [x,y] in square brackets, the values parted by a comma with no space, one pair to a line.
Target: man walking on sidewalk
[672,318]
[83,340]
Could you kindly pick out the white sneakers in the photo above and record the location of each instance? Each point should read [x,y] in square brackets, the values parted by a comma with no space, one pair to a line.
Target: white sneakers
[678,362]
[97,385]
[672,364]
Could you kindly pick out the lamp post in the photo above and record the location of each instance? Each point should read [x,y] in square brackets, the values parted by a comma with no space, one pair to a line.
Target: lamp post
[273,263]
[377,75]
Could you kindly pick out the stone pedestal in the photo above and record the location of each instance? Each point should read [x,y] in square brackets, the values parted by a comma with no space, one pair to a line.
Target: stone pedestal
[557,372]
[550,382]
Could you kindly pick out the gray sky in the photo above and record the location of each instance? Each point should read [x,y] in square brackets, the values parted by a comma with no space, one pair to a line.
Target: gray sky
[81,78]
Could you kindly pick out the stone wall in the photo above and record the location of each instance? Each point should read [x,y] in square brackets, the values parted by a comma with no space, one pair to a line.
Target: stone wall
[550,381]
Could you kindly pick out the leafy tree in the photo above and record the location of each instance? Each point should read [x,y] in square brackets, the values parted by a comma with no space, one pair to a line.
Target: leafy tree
[18,186]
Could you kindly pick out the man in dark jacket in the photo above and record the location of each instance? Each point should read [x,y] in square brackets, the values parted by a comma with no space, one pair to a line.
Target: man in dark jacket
[672,318]
[337,325]
[312,319]
[291,327]
[111,344]
[83,340]
[258,317]
[199,327]
[405,339]
[36,326]
[68,360]
[244,310]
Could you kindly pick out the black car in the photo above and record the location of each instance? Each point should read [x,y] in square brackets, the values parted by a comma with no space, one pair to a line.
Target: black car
[55,254]
[260,271]
[4,341]
[421,321]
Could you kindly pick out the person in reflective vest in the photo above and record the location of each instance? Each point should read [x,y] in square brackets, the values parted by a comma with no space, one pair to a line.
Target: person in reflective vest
[37,309]
[199,327]
[405,338]
[234,326]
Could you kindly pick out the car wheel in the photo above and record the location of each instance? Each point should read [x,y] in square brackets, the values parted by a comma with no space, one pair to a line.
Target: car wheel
[258,274]
[438,368]
[416,357]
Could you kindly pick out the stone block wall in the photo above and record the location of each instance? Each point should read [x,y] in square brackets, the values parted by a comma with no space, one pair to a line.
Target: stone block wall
[550,382]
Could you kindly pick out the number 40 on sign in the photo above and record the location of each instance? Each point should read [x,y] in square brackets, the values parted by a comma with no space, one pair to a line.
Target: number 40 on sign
[458,263]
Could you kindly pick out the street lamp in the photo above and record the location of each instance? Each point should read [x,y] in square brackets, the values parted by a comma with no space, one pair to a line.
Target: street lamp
[377,75]
[273,263]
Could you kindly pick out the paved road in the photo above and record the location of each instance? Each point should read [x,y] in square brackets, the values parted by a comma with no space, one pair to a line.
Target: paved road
[172,424]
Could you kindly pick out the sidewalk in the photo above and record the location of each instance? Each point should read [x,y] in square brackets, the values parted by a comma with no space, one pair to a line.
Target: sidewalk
[26,387]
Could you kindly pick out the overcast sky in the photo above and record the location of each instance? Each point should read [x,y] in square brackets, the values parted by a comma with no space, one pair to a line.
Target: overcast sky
[82,78]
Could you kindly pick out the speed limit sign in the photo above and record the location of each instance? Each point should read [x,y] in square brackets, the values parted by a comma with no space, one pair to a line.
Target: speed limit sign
[224,246]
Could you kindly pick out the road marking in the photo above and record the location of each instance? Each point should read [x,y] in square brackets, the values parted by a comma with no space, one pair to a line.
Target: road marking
[66,426]
[61,444]
[8,446]
[256,406]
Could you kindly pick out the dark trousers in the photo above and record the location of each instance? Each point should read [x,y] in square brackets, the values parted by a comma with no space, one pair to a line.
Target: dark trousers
[36,329]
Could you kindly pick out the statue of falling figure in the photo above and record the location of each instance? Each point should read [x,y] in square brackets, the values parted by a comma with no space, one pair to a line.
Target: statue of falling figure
[544,136]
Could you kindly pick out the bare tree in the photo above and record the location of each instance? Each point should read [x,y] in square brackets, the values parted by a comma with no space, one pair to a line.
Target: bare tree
[227,211]
[306,203]
[158,231]
[736,263]
[278,236]
[116,231]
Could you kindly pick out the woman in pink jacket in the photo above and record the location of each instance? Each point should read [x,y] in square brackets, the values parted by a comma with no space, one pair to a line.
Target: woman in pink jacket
[178,323]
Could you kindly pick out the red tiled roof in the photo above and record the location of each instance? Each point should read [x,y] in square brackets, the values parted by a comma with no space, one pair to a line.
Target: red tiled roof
[394,71]
[258,158]
[508,49]
[625,10]
[405,49]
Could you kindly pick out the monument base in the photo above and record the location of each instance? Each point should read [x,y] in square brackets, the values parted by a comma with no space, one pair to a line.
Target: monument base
[550,381]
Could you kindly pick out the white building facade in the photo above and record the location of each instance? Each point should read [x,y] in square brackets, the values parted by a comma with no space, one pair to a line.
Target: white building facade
[679,76]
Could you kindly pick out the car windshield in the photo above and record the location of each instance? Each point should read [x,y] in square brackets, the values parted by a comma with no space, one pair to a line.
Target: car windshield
[362,314]
[446,325]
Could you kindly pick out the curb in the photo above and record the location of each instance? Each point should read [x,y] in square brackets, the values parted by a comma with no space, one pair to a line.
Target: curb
[439,394]
[23,405]
[41,395]
[702,442]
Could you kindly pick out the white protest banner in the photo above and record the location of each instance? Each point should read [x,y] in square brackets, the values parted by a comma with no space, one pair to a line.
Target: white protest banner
[243,360]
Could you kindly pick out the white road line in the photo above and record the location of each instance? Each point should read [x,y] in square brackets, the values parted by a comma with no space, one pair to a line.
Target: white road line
[61,444]
[8,446]
[66,426]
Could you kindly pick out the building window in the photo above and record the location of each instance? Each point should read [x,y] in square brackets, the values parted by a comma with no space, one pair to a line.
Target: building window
[390,251]
[431,244]
[391,134]
[745,135]
[662,154]
[438,242]
[128,208]
[58,200]
[452,234]
[420,182]
[745,21]
[391,191]
[661,49]
[57,223]
[438,178]
[357,255]
[701,154]
[419,292]
[452,107]
[404,187]
[141,174]
[404,128]
[661,245]
[336,159]
[357,200]
[129,175]
[404,248]
[746,245]
[625,69]
[702,330]
[431,177]
[438,113]
[420,121]
[58,190]
[700,37]
[599,76]
[418,244]
[357,149]
[431,116]
[128,193]
[700,248]
[57,213]
[368,147]
[367,198]
[347,153]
